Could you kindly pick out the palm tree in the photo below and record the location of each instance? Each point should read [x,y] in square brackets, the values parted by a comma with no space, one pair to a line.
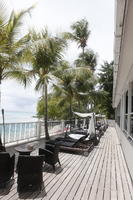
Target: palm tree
[87,59]
[106,85]
[46,52]
[68,85]
[12,44]
[80,33]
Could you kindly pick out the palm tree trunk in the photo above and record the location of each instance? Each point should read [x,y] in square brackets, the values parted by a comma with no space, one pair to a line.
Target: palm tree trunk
[83,49]
[70,115]
[79,104]
[46,112]
[83,54]
[0,93]
[0,109]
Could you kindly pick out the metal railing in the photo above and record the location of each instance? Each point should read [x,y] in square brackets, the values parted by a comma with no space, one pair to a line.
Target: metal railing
[27,131]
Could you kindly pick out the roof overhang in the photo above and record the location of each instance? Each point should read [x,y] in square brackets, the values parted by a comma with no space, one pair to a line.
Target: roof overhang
[123,48]
[119,22]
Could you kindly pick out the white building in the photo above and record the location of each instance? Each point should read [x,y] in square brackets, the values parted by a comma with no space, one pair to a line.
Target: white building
[123,77]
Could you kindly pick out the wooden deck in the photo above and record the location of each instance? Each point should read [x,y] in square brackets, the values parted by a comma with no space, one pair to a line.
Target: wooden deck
[103,175]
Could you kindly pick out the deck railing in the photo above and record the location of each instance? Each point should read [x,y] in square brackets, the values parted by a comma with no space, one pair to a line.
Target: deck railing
[27,131]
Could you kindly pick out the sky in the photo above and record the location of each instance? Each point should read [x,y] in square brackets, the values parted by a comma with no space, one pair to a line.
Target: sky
[58,15]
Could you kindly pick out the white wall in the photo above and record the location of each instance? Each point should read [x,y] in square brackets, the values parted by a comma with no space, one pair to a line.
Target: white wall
[127,148]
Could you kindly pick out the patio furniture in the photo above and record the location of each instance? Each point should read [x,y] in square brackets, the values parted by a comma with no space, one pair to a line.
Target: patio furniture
[89,133]
[2,148]
[69,145]
[23,150]
[6,168]
[29,169]
[51,154]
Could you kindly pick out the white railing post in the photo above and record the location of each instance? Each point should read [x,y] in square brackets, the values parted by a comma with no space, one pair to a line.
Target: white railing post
[38,129]
[62,125]
[9,133]
[76,122]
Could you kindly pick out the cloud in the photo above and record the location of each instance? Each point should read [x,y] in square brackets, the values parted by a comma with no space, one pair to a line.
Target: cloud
[17,101]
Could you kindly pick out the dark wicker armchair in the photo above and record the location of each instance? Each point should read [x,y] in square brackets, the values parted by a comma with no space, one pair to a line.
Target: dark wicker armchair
[51,154]
[6,168]
[29,169]
[2,148]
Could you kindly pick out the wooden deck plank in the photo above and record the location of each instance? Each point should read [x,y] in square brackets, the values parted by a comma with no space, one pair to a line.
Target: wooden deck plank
[101,175]
[113,172]
[68,174]
[74,184]
[49,177]
[129,182]
[85,179]
[95,184]
[14,195]
[89,184]
[70,179]
[126,190]
[101,182]
[46,175]
[120,194]
[107,184]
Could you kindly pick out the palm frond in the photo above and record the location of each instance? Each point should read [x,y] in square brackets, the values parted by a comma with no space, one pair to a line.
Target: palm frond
[39,85]
[19,75]
[15,23]
[4,15]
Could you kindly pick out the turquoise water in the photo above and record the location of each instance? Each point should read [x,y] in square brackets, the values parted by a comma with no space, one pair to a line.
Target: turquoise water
[18,131]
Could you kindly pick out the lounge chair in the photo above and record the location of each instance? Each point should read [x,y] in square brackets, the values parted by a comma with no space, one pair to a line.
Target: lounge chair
[51,154]
[29,169]
[79,143]
[88,134]
[6,168]
[80,146]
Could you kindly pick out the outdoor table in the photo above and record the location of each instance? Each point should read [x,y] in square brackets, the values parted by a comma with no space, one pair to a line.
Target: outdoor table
[23,150]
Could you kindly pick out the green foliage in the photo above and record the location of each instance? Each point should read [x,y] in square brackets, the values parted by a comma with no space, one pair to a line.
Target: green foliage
[56,110]
[87,59]
[106,85]
[12,44]
[80,33]
[46,53]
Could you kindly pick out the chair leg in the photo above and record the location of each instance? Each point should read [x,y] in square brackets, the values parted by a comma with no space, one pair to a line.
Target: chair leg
[54,167]
[59,162]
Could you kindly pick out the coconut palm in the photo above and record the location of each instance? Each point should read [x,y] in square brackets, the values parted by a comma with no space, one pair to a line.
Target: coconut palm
[46,52]
[106,85]
[68,85]
[87,59]
[80,33]
[12,44]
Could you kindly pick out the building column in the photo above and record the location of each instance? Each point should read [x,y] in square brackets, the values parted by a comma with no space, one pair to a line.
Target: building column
[123,111]
[129,107]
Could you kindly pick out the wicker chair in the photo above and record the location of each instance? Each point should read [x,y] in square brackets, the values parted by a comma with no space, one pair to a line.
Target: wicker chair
[29,169]
[51,154]
[6,168]
[2,148]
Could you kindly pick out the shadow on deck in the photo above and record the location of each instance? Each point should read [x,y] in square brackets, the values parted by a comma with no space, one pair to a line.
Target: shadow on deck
[102,175]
